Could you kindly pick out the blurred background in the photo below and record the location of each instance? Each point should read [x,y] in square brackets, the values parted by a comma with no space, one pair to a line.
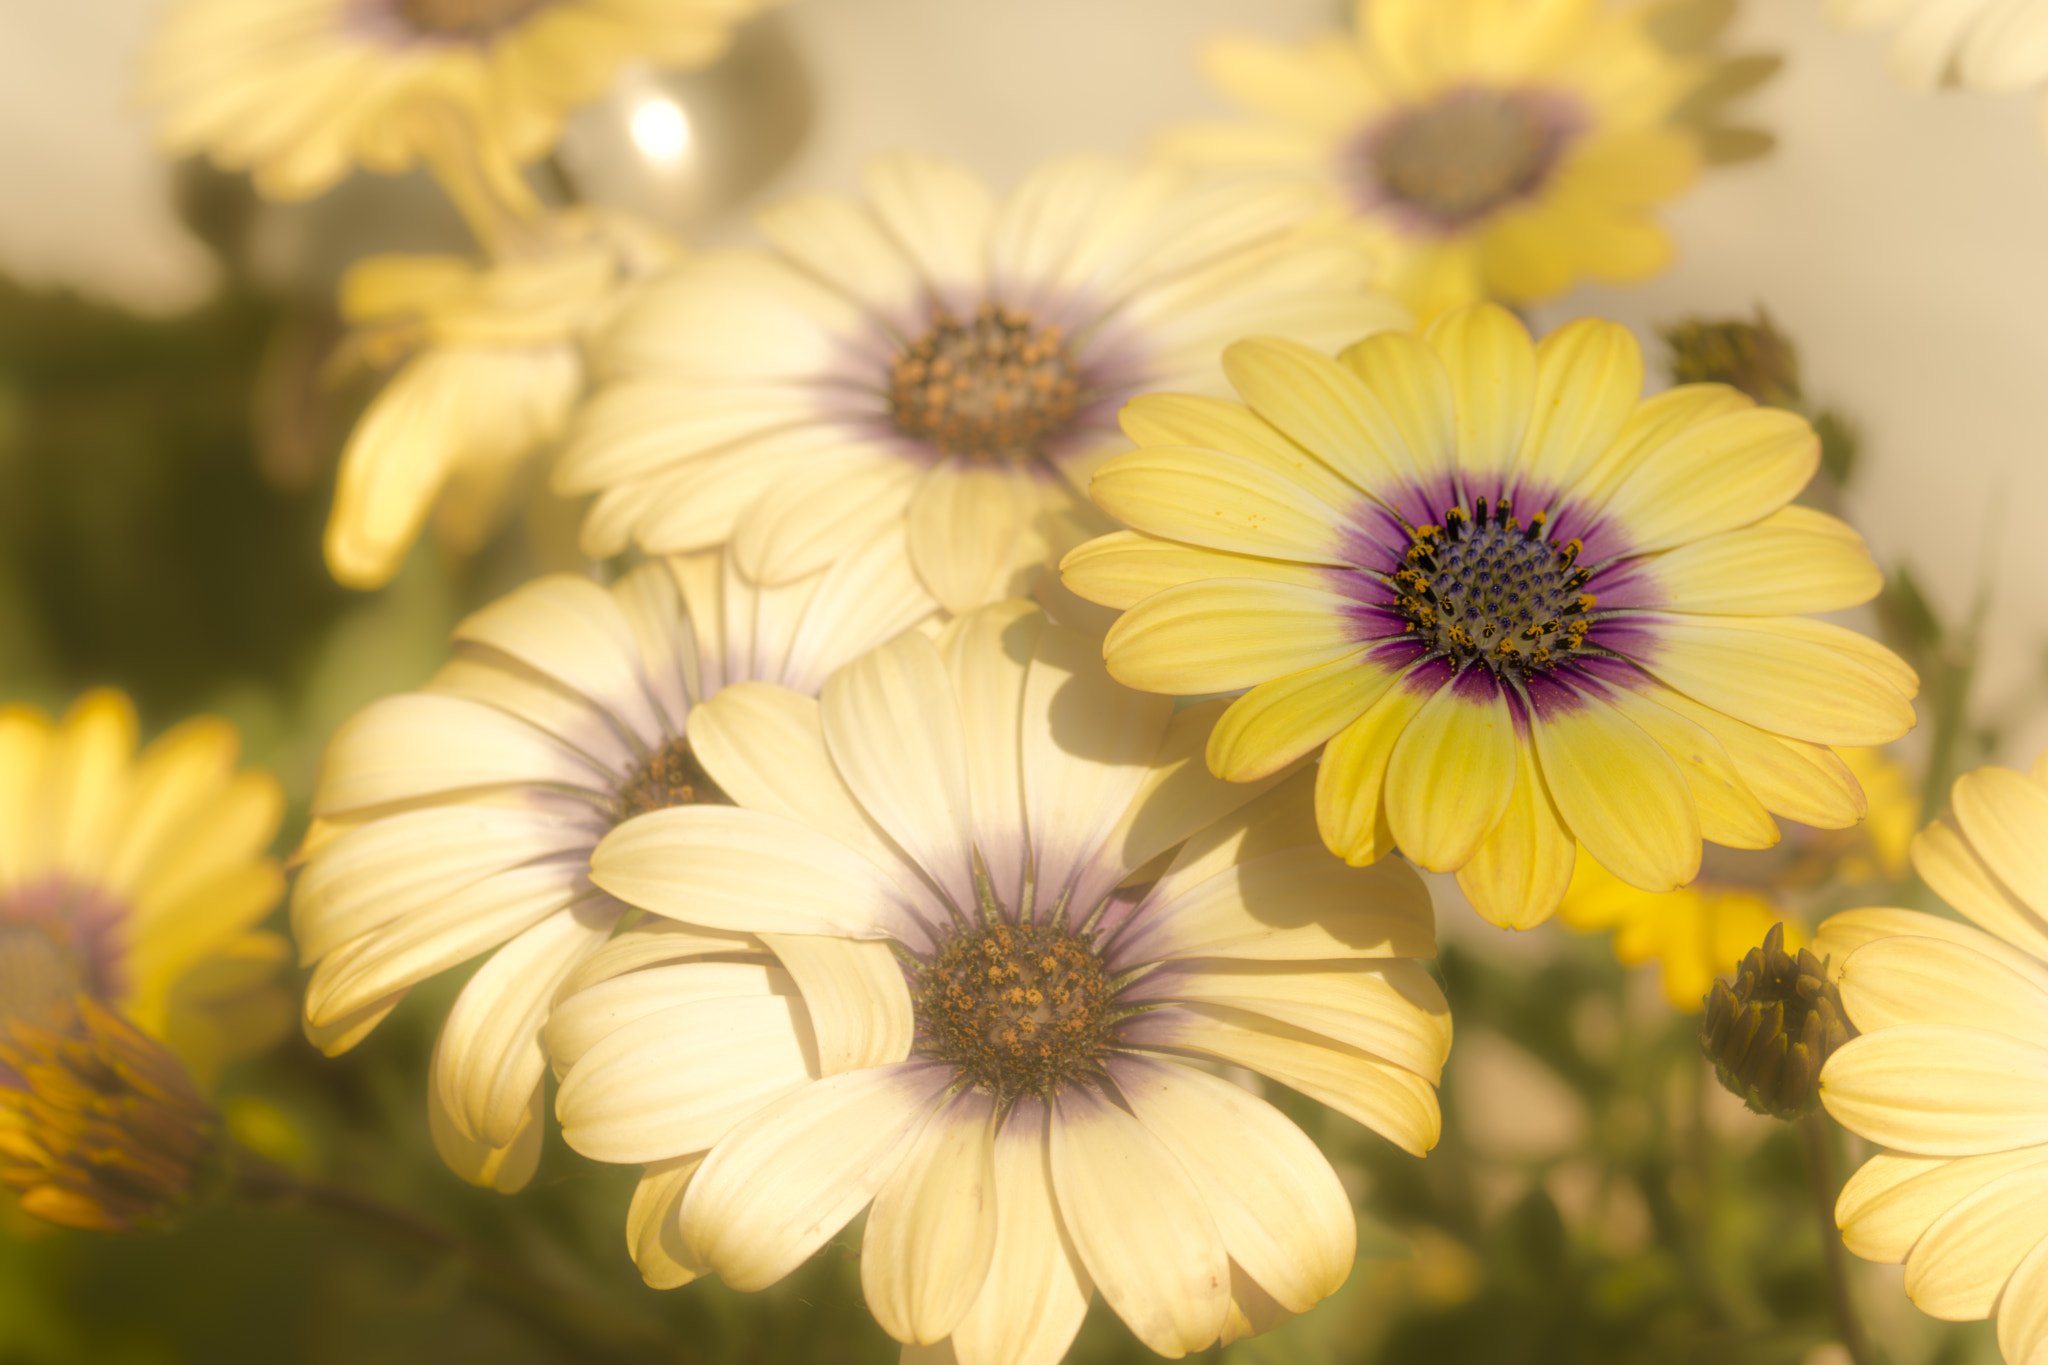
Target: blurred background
[167,443]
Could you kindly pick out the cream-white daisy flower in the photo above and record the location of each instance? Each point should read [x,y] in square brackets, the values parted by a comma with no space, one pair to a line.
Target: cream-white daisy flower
[1995,46]
[1951,1073]
[1003,928]
[488,362]
[940,361]
[461,817]
[298,92]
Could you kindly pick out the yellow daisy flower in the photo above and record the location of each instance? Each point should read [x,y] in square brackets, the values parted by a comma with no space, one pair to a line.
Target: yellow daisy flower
[138,881]
[1951,1073]
[938,364]
[461,817]
[946,991]
[1534,610]
[299,92]
[489,362]
[1704,930]
[1488,148]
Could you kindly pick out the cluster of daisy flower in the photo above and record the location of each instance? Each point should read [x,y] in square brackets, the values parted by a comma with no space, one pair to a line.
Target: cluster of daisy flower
[1032,642]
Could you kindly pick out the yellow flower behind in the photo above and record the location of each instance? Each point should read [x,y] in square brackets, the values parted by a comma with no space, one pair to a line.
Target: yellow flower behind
[1702,931]
[1950,1076]
[1527,609]
[490,363]
[298,92]
[1489,148]
[138,881]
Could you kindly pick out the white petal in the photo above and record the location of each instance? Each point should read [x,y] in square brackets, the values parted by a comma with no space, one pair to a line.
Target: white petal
[1957,1269]
[1940,1090]
[491,1058]
[1888,1204]
[1140,1225]
[1088,744]
[1280,1209]
[1299,903]
[505,1169]
[679,1079]
[858,999]
[425,744]
[581,1021]
[988,655]
[1392,1009]
[749,871]
[893,726]
[1391,1100]
[570,629]
[940,215]
[652,1234]
[932,1232]
[1036,1292]
[795,1173]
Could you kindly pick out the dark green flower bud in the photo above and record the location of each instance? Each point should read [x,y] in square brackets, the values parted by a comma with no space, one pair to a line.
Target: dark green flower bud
[1769,1035]
[1754,357]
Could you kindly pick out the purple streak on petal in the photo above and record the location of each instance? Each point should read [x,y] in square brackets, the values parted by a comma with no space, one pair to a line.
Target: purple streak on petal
[1476,685]
[1594,672]
[1396,653]
[1553,694]
[1375,539]
[1370,623]
[1633,637]
[1426,678]
[1628,583]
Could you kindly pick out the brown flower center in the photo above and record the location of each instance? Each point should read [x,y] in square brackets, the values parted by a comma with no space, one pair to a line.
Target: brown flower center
[42,971]
[674,776]
[1017,1009]
[1483,588]
[467,18]
[996,387]
[1466,155]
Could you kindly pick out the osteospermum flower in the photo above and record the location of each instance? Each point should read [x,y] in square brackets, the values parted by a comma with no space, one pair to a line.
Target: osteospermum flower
[459,818]
[1527,608]
[1996,46]
[945,989]
[1705,929]
[1488,148]
[1951,1073]
[937,363]
[489,361]
[299,92]
[138,882]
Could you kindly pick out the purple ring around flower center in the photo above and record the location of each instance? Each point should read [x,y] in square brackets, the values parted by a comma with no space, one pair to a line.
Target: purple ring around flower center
[1443,166]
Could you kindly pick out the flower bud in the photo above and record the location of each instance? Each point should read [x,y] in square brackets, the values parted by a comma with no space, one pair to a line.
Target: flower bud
[1769,1035]
[1754,357]
[105,1131]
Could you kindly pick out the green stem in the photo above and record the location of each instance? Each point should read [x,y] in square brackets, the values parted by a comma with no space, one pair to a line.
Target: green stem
[1820,1178]
[590,1329]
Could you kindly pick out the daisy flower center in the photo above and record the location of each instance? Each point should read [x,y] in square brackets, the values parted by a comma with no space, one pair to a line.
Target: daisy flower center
[1465,155]
[674,776]
[467,18]
[41,973]
[996,387]
[1018,1009]
[1483,588]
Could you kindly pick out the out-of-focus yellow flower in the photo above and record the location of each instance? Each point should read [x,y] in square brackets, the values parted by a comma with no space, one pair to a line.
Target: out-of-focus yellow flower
[298,92]
[1702,931]
[1489,148]
[490,363]
[138,881]
[103,1129]
[1528,610]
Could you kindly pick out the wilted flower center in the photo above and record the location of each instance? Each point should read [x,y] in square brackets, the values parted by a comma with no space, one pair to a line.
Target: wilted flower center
[467,18]
[674,776]
[996,387]
[1019,1010]
[1482,588]
[41,973]
[1465,155]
